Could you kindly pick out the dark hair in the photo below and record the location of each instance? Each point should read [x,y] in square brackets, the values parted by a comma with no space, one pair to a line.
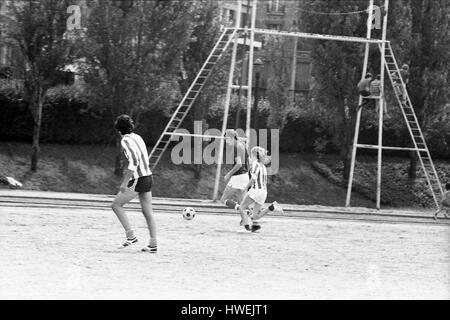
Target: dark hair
[124,124]
[447,186]
[368,75]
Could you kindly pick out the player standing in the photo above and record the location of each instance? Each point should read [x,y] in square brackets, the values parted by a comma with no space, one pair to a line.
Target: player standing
[137,181]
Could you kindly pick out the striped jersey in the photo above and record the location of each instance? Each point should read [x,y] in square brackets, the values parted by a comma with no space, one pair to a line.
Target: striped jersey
[259,174]
[136,152]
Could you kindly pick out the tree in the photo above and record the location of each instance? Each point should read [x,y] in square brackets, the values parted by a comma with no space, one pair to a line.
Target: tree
[278,54]
[430,63]
[39,29]
[205,34]
[133,55]
[337,66]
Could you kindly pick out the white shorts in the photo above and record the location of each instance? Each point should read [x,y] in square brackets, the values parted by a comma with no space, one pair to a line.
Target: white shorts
[239,181]
[258,195]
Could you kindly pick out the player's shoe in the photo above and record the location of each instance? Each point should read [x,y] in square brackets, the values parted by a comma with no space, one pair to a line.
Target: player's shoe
[128,243]
[150,249]
[277,208]
[249,214]
[253,228]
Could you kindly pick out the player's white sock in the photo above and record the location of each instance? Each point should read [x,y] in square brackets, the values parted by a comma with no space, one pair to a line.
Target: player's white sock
[153,242]
[130,234]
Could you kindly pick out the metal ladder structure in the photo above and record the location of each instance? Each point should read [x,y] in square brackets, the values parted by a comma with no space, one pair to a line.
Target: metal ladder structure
[191,95]
[413,125]
[388,62]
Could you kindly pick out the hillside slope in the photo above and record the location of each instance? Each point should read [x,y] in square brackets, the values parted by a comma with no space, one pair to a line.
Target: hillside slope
[89,169]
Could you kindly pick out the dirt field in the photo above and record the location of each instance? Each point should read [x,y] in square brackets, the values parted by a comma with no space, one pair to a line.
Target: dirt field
[71,254]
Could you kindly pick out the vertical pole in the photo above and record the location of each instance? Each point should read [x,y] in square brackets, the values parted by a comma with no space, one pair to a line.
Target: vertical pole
[244,61]
[250,72]
[381,102]
[227,101]
[255,104]
[294,70]
[358,116]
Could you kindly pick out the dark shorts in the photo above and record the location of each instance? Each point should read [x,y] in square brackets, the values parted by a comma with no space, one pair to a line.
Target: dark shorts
[144,184]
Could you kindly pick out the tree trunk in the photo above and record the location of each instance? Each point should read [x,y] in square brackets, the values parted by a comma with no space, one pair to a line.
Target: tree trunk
[36,131]
[349,133]
[412,172]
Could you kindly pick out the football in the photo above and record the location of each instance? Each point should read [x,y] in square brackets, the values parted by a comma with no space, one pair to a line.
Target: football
[188,213]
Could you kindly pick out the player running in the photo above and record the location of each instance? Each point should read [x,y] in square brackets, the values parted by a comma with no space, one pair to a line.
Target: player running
[257,191]
[237,178]
[137,181]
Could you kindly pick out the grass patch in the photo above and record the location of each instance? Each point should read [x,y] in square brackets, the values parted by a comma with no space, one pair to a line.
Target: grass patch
[302,179]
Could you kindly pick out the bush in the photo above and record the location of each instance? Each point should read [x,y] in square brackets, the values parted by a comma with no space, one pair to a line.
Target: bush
[69,118]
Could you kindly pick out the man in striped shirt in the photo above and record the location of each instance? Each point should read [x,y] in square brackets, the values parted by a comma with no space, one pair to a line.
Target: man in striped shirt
[137,181]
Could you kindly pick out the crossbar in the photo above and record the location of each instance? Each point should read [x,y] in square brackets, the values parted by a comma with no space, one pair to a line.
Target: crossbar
[369,146]
[193,135]
[315,36]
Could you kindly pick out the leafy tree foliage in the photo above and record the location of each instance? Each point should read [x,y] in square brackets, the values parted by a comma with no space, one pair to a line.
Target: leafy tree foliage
[132,55]
[39,29]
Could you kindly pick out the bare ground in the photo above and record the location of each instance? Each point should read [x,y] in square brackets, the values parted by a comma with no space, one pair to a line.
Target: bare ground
[52,253]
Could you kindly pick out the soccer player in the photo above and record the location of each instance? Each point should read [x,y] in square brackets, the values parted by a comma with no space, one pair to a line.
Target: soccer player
[445,203]
[257,191]
[237,178]
[137,181]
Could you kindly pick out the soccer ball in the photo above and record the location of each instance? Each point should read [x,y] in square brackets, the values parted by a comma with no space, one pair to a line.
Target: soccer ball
[188,213]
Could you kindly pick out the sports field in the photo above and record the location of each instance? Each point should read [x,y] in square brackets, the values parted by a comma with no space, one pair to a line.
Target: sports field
[62,252]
